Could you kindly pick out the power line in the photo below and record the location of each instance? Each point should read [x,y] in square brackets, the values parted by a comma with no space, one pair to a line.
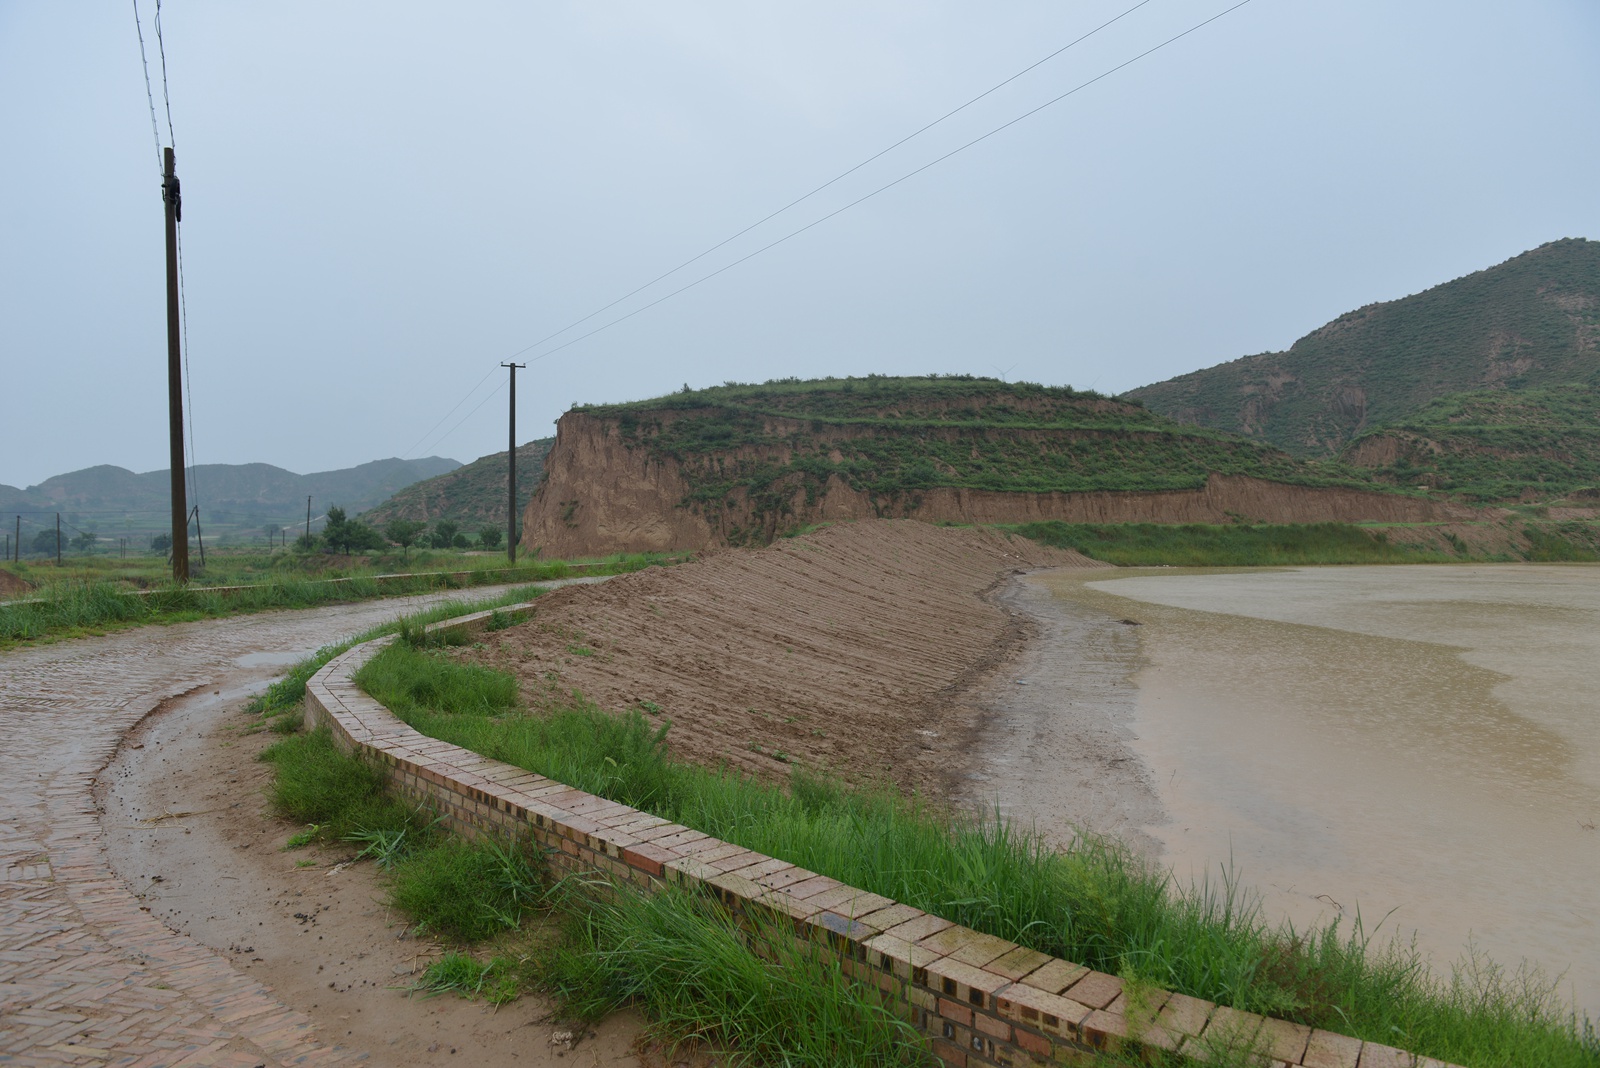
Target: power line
[162,47]
[491,396]
[155,128]
[411,453]
[890,185]
[831,181]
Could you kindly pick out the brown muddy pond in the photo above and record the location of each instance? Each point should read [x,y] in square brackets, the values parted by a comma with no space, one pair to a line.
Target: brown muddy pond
[1421,744]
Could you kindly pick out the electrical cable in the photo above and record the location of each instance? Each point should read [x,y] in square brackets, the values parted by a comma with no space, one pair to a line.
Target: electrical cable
[831,181]
[411,453]
[884,188]
[162,47]
[492,395]
[155,127]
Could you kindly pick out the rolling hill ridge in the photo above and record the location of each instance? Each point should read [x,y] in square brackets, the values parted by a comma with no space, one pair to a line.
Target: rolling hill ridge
[1532,322]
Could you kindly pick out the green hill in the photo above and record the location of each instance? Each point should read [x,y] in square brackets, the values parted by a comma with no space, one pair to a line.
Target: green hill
[472,496]
[1539,444]
[1531,322]
[886,436]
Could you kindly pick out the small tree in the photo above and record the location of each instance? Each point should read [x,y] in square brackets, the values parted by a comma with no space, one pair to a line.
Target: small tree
[345,535]
[404,533]
[444,534]
[489,537]
[44,542]
[161,543]
[85,541]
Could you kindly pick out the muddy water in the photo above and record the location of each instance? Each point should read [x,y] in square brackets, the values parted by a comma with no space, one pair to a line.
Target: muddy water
[1424,740]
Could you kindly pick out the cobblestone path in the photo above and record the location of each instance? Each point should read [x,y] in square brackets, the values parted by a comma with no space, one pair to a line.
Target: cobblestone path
[86,976]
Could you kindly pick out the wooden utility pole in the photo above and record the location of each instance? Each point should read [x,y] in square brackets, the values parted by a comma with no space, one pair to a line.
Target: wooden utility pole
[308,520]
[511,470]
[180,501]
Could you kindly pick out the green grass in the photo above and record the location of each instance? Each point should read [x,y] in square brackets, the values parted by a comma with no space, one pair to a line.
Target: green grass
[1095,903]
[1493,445]
[680,958]
[79,607]
[1232,545]
[283,697]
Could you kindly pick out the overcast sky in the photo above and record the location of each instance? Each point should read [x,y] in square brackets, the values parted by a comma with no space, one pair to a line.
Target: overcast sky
[382,201]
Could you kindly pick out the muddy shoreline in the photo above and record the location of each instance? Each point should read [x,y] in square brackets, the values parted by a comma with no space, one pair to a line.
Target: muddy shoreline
[1053,747]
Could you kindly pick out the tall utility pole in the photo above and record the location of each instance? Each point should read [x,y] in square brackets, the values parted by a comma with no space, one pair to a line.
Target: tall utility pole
[308,519]
[511,470]
[180,501]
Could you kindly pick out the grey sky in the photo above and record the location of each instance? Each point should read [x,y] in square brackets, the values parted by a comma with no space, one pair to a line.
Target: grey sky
[383,201]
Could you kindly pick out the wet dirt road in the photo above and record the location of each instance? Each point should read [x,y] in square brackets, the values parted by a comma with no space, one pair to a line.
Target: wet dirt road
[87,975]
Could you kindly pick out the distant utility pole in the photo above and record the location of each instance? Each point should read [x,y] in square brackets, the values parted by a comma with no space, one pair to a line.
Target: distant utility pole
[511,470]
[180,501]
[308,518]
[58,539]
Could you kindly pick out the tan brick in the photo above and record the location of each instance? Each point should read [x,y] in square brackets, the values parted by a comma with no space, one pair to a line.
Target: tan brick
[1328,1050]
[1184,1015]
[1055,976]
[899,956]
[975,986]
[1017,963]
[1374,1055]
[1284,1040]
[1095,989]
[919,928]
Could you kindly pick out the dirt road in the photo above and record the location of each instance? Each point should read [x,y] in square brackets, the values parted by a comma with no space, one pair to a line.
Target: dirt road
[88,976]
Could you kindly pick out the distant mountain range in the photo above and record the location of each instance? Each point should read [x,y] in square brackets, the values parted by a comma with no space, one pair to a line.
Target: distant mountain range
[237,501]
[472,496]
[1531,323]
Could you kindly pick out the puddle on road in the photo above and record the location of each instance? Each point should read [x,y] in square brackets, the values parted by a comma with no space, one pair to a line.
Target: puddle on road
[255,660]
[1421,739]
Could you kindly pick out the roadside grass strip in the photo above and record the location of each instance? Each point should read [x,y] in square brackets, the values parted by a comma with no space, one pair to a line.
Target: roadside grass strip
[1095,903]
[83,606]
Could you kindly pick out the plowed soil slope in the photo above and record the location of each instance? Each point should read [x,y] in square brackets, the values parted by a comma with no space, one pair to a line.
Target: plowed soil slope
[846,649]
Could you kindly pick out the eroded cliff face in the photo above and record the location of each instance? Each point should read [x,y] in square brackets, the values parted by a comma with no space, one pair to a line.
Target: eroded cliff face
[604,493]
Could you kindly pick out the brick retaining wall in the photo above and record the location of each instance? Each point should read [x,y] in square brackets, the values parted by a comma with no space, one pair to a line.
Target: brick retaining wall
[980,1000]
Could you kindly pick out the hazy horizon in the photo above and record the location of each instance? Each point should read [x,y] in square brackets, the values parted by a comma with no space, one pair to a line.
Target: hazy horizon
[381,205]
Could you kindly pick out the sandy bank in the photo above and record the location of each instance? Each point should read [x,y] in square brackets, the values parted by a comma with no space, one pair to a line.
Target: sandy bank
[851,648]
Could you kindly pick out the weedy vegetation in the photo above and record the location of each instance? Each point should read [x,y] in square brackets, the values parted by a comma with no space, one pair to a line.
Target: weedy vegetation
[1094,903]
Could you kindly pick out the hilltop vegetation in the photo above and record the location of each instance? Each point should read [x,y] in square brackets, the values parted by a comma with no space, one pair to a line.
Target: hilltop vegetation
[1529,323]
[472,496]
[1543,444]
[889,437]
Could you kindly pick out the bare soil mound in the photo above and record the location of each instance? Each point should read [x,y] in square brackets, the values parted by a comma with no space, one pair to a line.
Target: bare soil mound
[12,586]
[845,649]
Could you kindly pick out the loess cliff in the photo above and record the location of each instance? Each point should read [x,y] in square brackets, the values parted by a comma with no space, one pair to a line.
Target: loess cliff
[742,465]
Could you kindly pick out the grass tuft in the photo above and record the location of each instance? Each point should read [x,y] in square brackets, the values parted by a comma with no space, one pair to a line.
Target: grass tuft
[699,975]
